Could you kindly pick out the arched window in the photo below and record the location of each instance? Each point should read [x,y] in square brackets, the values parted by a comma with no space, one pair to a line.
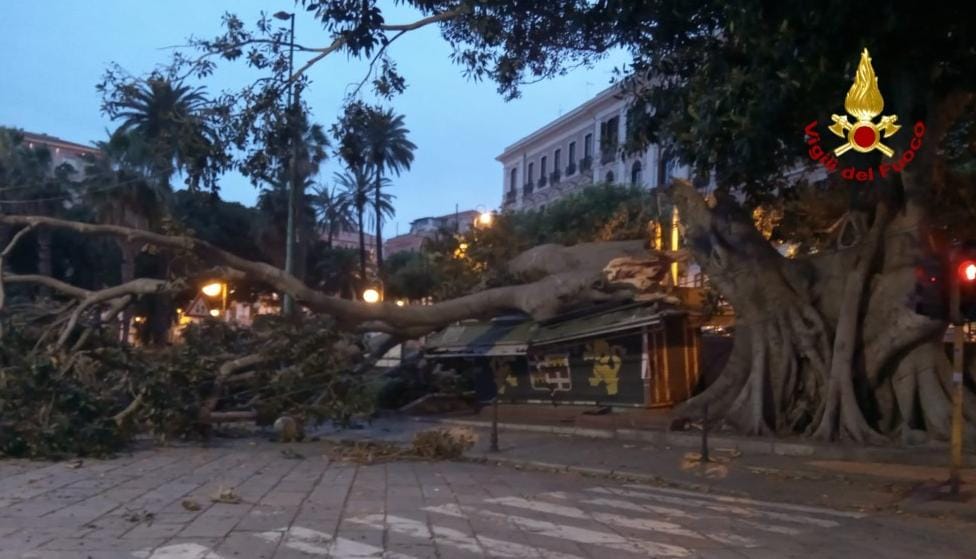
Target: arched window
[609,178]
[635,174]
[664,167]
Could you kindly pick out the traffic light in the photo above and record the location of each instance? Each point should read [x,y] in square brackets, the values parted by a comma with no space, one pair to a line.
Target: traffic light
[931,296]
[965,269]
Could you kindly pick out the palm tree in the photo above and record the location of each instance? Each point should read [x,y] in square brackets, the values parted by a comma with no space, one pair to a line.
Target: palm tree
[308,152]
[355,183]
[165,121]
[387,150]
[382,206]
[334,211]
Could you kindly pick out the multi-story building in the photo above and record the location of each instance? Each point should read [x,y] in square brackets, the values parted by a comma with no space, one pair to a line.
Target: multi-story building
[577,149]
[63,152]
[350,239]
[426,227]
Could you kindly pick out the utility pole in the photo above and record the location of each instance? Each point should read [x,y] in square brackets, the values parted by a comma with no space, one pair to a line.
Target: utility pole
[962,276]
[494,423]
[930,300]
[964,271]
[288,303]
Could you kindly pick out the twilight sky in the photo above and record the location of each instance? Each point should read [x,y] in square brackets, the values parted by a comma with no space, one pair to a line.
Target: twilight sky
[53,52]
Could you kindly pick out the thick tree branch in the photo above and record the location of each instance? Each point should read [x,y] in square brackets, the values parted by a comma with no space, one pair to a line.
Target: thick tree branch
[541,299]
[142,286]
[56,285]
[132,408]
[223,373]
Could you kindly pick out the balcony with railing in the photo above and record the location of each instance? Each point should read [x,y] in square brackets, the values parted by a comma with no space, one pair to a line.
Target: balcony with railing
[527,189]
[542,181]
[586,164]
[511,196]
[570,169]
[554,177]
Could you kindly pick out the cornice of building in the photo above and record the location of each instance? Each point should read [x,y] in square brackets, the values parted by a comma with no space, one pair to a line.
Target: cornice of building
[53,141]
[608,94]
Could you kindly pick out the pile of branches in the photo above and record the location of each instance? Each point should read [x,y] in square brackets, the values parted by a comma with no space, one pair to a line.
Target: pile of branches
[95,399]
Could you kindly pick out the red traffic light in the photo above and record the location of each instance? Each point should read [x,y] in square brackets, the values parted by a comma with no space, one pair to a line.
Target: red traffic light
[967,270]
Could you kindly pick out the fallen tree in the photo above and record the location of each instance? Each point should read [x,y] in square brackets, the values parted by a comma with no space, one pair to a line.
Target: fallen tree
[565,274]
[825,344]
[221,374]
[92,399]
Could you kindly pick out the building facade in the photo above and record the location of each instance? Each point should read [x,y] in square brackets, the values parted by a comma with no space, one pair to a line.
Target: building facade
[426,227]
[350,240]
[63,152]
[579,148]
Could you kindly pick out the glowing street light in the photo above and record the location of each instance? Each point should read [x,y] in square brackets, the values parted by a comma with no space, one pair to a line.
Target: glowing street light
[400,302]
[371,295]
[214,313]
[216,289]
[484,220]
[213,289]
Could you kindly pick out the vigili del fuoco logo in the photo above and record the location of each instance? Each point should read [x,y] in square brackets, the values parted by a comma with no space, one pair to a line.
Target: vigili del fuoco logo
[863,103]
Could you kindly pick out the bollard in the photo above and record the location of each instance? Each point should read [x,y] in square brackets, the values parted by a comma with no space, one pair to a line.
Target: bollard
[704,442]
[494,425]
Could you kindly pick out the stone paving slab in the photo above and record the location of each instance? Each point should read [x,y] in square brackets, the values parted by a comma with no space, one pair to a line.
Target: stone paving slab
[132,507]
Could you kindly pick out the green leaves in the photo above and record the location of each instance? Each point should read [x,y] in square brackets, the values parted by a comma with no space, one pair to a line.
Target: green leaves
[53,408]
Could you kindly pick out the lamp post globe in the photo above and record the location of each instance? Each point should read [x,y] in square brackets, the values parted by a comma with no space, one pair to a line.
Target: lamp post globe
[371,295]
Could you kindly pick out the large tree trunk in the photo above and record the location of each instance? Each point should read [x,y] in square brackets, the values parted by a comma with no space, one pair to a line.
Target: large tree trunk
[45,259]
[362,244]
[828,344]
[379,223]
[127,271]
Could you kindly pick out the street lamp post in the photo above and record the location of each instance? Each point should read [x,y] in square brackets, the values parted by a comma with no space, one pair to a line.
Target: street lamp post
[288,305]
[215,289]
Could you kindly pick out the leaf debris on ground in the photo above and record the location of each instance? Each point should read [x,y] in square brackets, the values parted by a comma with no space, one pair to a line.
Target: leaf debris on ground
[292,454]
[139,516]
[433,444]
[191,505]
[226,495]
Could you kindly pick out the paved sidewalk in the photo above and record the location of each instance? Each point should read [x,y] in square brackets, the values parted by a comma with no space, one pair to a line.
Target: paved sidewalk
[848,484]
[861,486]
[652,427]
[157,504]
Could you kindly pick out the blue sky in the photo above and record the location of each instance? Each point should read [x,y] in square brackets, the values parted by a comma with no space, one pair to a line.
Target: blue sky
[52,53]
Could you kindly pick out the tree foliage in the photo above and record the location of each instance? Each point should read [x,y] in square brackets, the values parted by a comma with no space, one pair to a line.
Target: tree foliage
[54,405]
[450,265]
[166,126]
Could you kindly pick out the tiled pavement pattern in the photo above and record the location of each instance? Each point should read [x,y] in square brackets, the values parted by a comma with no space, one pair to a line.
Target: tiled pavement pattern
[131,507]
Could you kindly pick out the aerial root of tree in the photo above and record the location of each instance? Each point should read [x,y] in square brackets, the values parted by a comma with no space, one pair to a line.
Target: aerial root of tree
[825,345]
[842,416]
[763,387]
